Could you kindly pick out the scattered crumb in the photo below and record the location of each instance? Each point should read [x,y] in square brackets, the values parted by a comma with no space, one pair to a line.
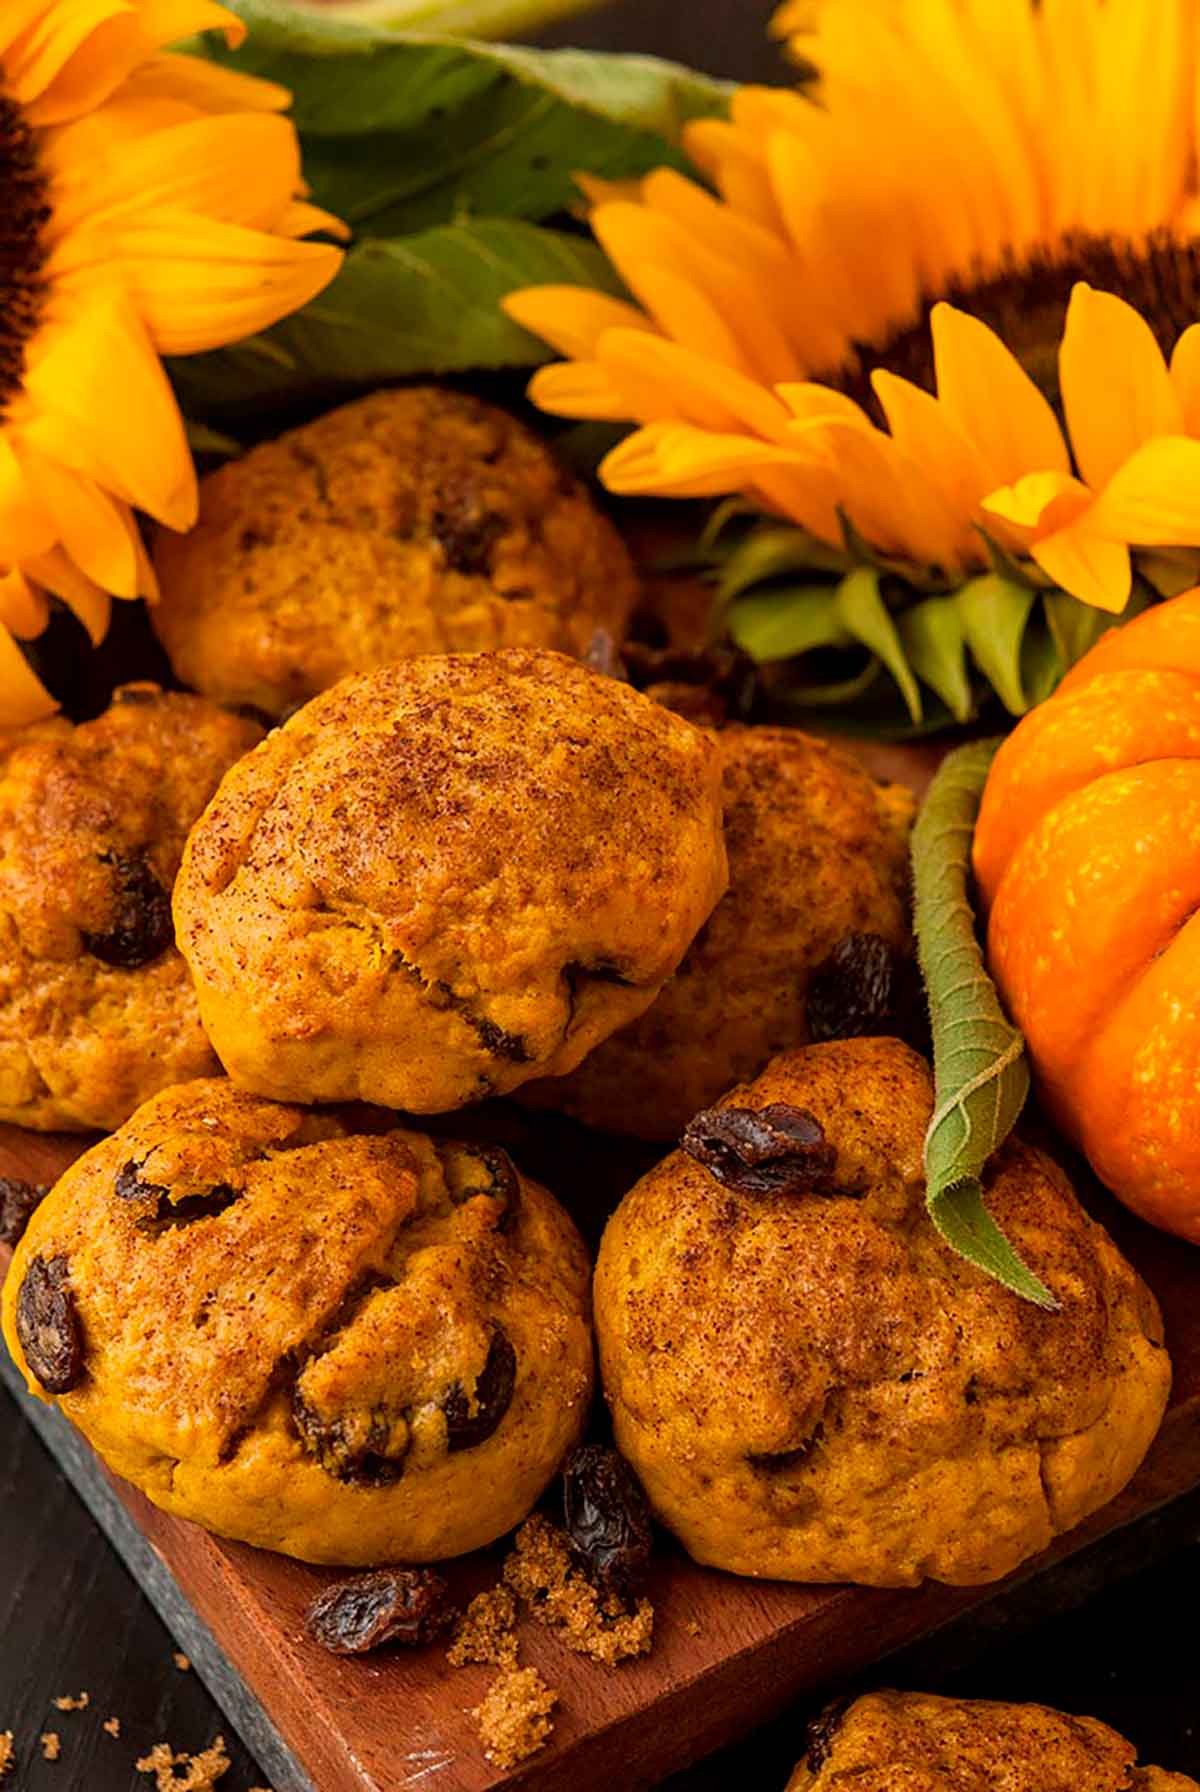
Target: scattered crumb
[7,1757]
[487,1631]
[51,1745]
[181,1661]
[66,1703]
[539,1570]
[112,1725]
[692,1628]
[185,1773]
[514,1718]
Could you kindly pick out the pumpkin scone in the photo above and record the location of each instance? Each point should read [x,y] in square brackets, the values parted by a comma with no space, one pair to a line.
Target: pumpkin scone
[407,522]
[96,1005]
[448,876]
[817,898]
[811,1384]
[350,1346]
[914,1742]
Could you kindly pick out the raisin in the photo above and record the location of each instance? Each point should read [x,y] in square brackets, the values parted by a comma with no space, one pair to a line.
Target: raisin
[866,988]
[141,927]
[822,1732]
[48,1325]
[472,1170]
[467,531]
[493,1396]
[392,1605]
[776,1150]
[17,1202]
[156,1209]
[714,684]
[136,693]
[607,1519]
[358,1447]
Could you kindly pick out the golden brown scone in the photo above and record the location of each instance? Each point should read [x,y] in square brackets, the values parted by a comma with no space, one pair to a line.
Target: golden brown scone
[813,1386]
[353,1347]
[448,876]
[914,1742]
[408,522]
[817,852]
[96,1005]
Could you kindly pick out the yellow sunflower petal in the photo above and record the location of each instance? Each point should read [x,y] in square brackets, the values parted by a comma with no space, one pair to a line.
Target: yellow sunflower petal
[884,494]
[1096,571]
[1117,393]
[94,529]
[585,390]
[572,319]
[703,391]
[923,429]
[23,608]
[25,527]
[23,697]
[59,573]
[809,402]
[1185,377]
[78,52]
[1024,504]
[1153,501]
[992,401]
[167,21]
[204,86]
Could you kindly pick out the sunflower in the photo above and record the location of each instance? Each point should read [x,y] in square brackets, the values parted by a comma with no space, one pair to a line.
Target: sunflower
[149,205]
[939,312]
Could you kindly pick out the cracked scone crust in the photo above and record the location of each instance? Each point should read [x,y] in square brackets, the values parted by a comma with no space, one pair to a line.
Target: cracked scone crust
[915,1742]
[814,1387]
[817,850]
[346,1346]
[408,522]
[96,1005]
[446,877]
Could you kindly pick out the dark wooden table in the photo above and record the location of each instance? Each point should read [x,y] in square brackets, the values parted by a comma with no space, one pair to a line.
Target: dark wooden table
[72,1620]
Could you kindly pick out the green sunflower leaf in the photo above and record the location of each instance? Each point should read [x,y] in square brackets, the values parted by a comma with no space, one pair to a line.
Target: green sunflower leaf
[402,132]
[932,634]
[994,614]
[865,616]
[460,18]
[425,304]
[980,1070]
[764,554]
[779,624]
[1042,662]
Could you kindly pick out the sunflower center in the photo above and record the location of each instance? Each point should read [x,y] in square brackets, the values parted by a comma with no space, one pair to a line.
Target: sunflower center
[1025,303]
[24,211]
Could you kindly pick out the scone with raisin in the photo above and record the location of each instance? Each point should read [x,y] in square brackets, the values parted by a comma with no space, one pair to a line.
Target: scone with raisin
[817,902]
[408,522]
[892,1740]
[349,1346]
[813,1386]
[96,1005]
[448,876]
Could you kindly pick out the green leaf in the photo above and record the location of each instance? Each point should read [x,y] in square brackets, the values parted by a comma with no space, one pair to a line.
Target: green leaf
[932,634]
[402,132]
[1042,662]
[777,625]
[765,554]
[462,18]
[427,304]
[1075,626]
[1170,571]
[994,612]
[864,615]
[980,1070]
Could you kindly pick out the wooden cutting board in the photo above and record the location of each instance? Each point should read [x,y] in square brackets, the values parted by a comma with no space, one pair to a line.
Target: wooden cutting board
[727,1652]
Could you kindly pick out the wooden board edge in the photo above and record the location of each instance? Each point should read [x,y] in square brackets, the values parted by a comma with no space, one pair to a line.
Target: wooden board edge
[153,1575]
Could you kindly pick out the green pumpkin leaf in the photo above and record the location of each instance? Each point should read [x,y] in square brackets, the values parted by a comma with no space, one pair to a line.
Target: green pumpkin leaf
[779,624]
[403,132]
[932,635]
[427,304]
[980,1070]
[994,613]
[866,617]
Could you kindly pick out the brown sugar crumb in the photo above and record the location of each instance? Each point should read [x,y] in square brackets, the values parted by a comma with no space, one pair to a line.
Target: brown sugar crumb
[487,1631]
[51,1745]
[692,1628]
[514,1718]
[66,1703]
[540,1572]
[185,1773]
[112,1725]
[7,1755]
[181,1661]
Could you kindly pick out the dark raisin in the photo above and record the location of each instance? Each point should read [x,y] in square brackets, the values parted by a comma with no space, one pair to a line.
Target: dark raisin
[137,693]
[865,989]
[141,928]
[607,1519]
[155,1208]
[354,1448]
[493,1396]
[776,1150]
[48,1325]
[392,1605]
[472,1170]
[822,1732]
[17,1202]
[604,656]
[713,684]
[467,531]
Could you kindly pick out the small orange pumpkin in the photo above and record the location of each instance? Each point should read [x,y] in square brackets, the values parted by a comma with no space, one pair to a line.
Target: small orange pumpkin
[1087,857]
